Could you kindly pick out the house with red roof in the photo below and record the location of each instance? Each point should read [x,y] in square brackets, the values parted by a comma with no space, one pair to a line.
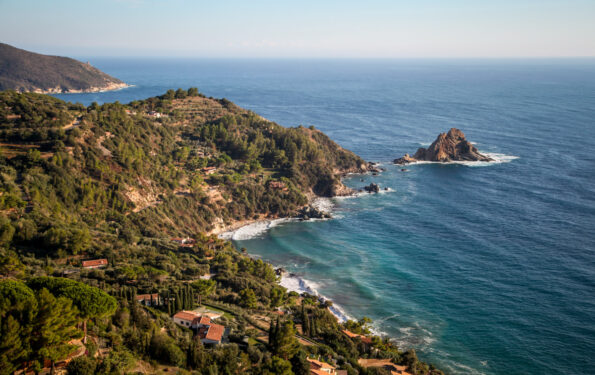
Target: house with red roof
[366,340]
[208,332]
[95,263]
[321,368]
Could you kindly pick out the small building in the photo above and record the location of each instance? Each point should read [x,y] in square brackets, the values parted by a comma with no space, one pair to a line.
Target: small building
[183,242]
[209,170]
[95,263]
[208,332]
[366,340]
[149,299]
[320,368]
[155,114]
[211,333]
[278,185]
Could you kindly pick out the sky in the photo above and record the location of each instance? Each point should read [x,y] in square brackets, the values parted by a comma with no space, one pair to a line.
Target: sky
[302,29]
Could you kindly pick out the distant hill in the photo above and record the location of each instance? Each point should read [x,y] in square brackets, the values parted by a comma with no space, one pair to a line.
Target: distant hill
[26,71]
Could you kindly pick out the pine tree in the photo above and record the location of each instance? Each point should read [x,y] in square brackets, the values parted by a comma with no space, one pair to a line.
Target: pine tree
[54,328]
[285,344]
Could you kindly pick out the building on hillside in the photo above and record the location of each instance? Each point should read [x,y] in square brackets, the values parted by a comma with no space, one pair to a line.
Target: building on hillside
[278,185]
[209,170]
[366,340]
[95,263]
[208,332]
[155,114]
[149,299]
[321,368]
[183,242]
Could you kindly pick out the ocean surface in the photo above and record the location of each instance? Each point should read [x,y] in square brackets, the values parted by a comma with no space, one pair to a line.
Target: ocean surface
[482,268]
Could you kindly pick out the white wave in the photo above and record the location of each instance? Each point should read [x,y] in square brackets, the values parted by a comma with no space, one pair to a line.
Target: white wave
[299,285]
[323,204]
[364,193]
[253,230]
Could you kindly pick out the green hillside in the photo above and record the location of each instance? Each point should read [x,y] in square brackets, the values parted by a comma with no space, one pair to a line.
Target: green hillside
[120,182]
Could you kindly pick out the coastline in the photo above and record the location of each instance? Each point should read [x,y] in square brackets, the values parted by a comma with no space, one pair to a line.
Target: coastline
[57,90]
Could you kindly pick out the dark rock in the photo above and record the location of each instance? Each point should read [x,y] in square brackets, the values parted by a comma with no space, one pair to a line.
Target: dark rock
[372,188]
[310,212]
[280,271]
[451,146]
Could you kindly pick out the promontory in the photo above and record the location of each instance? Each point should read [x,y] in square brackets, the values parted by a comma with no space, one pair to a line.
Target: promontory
[26,71]
[451,146]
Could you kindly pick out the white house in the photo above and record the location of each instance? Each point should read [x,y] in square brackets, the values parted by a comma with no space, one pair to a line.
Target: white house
[208,332]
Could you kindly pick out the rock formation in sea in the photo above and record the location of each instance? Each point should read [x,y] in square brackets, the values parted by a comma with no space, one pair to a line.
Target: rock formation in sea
[311,212]
[372,188]
[451,146]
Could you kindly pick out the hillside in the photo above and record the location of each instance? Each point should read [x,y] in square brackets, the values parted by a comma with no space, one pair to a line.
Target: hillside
[26,71]
[137,188]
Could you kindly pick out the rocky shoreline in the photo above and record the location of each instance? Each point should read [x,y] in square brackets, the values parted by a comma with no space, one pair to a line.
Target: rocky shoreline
[307,211]
[59,90]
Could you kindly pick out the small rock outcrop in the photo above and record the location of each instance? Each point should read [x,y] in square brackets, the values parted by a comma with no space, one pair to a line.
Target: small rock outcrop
[374,168]
[372,188]
[451,146]
[311,212]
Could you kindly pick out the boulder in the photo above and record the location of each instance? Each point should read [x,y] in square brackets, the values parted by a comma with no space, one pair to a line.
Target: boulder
[372,188]
[451,146]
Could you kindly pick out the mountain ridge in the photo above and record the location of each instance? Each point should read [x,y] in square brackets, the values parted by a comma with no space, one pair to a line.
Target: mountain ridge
[26,71]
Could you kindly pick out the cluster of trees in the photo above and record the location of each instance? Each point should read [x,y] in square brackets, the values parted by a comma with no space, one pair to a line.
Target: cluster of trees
[39,318]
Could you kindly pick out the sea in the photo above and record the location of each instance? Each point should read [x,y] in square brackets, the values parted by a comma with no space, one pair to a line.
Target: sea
[482,268]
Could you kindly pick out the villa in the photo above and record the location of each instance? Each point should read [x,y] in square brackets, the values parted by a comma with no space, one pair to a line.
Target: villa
[321,368]
[208,332]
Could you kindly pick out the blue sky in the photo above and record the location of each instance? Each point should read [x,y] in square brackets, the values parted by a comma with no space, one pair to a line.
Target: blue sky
[328,29]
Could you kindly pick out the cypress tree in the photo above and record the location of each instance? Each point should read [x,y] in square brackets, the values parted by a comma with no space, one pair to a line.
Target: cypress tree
[306,326]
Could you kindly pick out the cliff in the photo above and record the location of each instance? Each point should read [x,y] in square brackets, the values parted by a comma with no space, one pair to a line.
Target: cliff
[451,146]
[26,71]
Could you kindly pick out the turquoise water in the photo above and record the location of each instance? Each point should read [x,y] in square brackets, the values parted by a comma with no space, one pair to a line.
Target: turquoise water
[483,269]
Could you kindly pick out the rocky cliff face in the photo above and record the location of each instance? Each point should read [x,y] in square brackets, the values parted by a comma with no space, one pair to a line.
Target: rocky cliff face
[451,146]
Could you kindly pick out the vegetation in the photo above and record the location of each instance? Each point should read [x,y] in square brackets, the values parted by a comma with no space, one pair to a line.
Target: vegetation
[119,182]
[27,71]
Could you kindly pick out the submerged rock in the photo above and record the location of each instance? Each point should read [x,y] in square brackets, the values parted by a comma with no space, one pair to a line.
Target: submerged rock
[451,146]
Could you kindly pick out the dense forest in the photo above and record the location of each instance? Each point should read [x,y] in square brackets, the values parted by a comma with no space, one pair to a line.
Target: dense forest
[126,183]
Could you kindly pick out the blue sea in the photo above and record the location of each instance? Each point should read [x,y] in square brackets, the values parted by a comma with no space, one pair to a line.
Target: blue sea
[482,268]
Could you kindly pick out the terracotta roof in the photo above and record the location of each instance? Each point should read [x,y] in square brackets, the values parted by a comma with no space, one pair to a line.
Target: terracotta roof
[364,339]
[214,332]
[186,315]
[318,364]
[202,320]
[350,334]
[94,262]
[315,371]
